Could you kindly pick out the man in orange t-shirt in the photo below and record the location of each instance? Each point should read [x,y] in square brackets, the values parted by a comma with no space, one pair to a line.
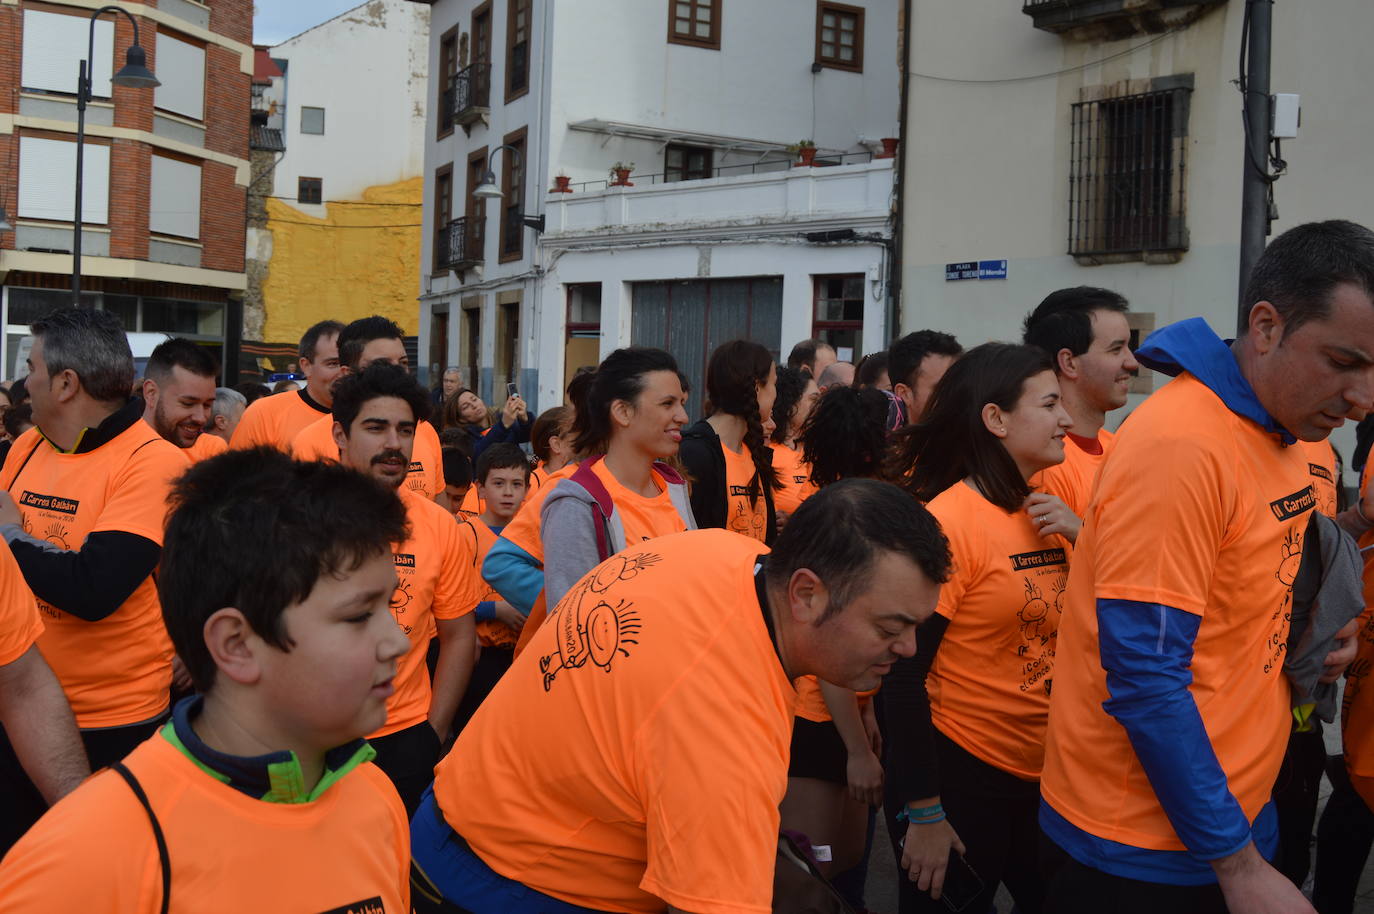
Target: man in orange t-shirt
[634,756]
[368,340]
[179,395]
[276,420]
[257,795]
[1170,712]
[376,412]
[85,496]
[1086,332]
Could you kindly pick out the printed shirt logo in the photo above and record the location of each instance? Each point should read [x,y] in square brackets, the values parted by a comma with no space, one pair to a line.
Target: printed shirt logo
[1044,580]
[590,625]
[1319,471]
[403,559]
[1039,559]
[373,905]
[49,502]
[1293,505]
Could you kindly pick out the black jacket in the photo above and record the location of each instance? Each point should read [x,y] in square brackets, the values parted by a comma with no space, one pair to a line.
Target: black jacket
[704,460]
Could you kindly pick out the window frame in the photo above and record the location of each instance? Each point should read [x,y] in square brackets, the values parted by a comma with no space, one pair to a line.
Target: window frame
[840,9]
[819,327]
[512,7]
[712,42]
[301,187]
[513,194]
[448,54]
[687,173]
[475,209]
[443,213]
[183,38]
[303,131]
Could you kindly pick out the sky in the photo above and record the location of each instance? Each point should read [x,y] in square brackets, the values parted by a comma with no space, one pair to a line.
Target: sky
[274,21]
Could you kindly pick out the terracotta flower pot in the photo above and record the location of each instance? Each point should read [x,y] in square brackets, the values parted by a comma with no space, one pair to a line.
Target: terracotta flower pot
[807,156]
[560,184]
[622,178]
[889,148]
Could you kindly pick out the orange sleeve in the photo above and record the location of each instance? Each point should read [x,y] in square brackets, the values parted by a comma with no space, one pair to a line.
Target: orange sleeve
[138,497]
[20,623]
[433,457]
[120,876]
[460,586]
[254,428]
[967,556]
[716,857]
[1141,493]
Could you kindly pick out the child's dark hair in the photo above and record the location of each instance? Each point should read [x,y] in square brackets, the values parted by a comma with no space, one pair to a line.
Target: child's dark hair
[380,379]
[951,442]
[846,435]
[550,422]
[457,467]
[620,376]
[733,374]
[503,456]
[256,530]
[791,384]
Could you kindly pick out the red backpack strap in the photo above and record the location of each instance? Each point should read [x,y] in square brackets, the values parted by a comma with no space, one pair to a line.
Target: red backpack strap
[601,504]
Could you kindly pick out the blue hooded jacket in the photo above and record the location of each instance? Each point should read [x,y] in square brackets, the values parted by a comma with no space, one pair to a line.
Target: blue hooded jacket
[1147,651]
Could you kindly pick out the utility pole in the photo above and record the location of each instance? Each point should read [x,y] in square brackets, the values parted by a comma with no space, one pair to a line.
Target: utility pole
[1254,210]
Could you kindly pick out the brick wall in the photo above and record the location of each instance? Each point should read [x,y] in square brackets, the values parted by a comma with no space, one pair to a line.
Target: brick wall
[9,103]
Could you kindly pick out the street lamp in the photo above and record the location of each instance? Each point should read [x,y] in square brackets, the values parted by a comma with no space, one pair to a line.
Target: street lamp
[134,75]
[488,190]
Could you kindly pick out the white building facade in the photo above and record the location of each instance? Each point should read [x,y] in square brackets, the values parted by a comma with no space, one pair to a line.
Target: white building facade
[716,235]
[1100,142]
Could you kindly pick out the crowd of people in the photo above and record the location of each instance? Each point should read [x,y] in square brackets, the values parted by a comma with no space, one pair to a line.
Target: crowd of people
[361,647]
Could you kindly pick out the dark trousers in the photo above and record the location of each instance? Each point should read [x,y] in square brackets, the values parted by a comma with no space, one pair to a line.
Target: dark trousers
[491,665]
[996,815]
[1295,800]
[1344,837]
[20,800]
[408,758]
[1077,889]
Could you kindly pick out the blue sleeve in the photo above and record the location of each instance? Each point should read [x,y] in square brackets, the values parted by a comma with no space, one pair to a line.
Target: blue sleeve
[486,611]
[514,574]
[1147,651]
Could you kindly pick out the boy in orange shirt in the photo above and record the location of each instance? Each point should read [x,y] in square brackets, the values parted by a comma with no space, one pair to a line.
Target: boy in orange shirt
[276,598]
[634,756]
[376,413]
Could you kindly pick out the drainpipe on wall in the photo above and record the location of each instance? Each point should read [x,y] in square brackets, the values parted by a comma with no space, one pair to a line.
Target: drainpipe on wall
[894,279]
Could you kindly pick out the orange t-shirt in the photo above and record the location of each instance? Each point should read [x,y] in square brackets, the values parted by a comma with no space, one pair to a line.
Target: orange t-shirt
[744,517]
[490,632]
[115,671]
[436,580]
[1201,510]
[1072,480]
[472,505]
[1321,466]
[348,850]
[206,446]
[316,442]
[275,420]
[637,752]
[643,518]
[1357,713]
[811,701]
[20,624]
[990,683]
[795,477]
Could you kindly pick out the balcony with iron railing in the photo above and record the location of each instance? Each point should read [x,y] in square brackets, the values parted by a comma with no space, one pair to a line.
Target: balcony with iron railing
[458,245]
[1114,19]
[467,97]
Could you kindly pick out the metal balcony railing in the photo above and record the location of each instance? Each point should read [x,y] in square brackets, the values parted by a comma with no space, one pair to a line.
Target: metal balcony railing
[467,96]
[457,245]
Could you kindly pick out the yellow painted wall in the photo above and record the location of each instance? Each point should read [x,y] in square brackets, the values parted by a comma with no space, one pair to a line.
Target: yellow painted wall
[363,258]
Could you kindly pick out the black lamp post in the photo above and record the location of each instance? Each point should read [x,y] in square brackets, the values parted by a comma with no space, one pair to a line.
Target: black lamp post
[488,190]
[135,75]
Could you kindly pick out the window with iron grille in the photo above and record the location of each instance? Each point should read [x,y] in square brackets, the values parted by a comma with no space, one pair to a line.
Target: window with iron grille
[1128,162]
[840,36]
[310,190]
[839,312]
[686,163]
[517,48]
[694,22]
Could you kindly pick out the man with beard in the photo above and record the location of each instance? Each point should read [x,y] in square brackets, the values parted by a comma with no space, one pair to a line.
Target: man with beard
[179,397]
[376,413]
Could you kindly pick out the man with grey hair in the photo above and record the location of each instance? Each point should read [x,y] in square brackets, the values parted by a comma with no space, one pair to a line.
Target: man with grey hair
[82,501]
[226,413]
[836,374]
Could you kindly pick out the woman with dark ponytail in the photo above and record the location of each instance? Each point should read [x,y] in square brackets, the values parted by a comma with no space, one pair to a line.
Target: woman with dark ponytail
[726,455]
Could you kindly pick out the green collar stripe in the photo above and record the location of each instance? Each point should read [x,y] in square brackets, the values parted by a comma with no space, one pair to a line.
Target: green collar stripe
[169,733]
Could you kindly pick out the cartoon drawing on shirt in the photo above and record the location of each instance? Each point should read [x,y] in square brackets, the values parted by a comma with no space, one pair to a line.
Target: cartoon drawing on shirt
[400,599]
[1290,558]
[1034,615]
[1059,586]
[588,626]
[56,534]
[747,522]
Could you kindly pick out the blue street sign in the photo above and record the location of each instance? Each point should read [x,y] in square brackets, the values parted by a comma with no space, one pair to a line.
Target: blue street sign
[966,270]
[992,269]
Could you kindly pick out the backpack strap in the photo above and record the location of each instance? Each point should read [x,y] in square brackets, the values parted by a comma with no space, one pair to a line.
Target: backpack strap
[602,505]
[163,858]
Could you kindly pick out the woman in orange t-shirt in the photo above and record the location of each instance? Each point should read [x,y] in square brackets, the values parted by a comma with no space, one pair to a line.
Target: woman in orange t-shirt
[834,776]
[726,454]
[797,394]
[632,411]
[966,717]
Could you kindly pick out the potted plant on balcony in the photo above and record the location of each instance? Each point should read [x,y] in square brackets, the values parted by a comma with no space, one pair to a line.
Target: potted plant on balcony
[889,148]
[561,184]
[620,174]
[805,151]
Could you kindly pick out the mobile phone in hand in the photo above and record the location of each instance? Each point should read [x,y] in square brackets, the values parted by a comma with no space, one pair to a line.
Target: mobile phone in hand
[962,884]
[511,390]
